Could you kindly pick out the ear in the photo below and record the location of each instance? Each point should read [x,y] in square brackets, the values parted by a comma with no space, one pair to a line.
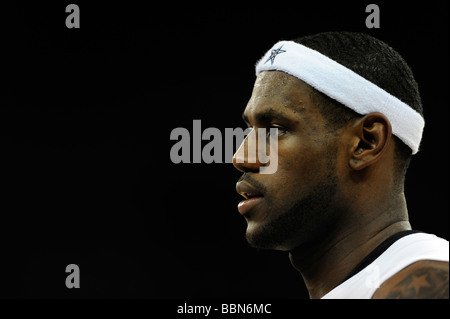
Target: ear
[372,134]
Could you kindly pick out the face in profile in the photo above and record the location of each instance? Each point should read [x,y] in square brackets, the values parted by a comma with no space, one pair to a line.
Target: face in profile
[297,203]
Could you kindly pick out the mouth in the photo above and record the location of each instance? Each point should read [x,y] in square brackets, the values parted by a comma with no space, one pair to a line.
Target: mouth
[252,197]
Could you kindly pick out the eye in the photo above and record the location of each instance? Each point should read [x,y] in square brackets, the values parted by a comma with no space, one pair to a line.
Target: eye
[280,130]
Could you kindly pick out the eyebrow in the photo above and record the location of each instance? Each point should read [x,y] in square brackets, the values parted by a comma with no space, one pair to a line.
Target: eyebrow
[267,115]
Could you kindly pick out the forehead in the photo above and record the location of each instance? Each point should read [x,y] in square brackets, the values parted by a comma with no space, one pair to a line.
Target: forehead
[276,89]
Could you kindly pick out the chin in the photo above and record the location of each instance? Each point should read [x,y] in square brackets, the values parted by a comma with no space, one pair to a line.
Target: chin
[263,237]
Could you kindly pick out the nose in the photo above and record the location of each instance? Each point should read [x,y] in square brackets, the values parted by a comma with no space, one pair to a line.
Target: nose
[246,158]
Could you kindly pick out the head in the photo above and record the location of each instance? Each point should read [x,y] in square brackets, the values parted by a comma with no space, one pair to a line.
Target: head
[330,159]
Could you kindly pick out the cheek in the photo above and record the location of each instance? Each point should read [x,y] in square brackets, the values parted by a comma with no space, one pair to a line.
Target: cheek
[299,168]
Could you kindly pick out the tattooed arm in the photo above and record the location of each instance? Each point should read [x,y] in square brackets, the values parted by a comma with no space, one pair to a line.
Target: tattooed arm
[424,279]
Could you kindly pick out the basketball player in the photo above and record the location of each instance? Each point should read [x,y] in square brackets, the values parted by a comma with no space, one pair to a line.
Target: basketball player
[349,117]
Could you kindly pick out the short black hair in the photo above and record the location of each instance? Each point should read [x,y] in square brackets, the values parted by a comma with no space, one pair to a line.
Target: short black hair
[375,61]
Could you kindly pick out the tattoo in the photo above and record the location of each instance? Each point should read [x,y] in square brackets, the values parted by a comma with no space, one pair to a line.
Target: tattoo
[423,283]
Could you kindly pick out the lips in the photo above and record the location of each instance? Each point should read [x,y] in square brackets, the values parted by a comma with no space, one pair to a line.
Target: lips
[251,194]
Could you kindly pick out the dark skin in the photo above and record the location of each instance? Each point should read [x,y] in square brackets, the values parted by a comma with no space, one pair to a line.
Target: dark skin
[333,197]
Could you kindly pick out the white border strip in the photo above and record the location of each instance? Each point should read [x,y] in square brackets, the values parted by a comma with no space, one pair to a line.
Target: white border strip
[344,86]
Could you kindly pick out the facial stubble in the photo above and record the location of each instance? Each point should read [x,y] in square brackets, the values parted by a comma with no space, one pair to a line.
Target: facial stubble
[309,218]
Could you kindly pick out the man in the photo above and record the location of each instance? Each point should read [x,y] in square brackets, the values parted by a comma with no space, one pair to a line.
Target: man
[349,117]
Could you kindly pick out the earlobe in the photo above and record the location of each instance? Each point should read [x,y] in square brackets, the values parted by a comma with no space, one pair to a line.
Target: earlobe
[372,134]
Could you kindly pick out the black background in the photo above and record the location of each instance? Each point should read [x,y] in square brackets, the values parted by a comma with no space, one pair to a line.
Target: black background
[86,116]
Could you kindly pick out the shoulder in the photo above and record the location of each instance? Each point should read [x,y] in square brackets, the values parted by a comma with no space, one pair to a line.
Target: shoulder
[425,279]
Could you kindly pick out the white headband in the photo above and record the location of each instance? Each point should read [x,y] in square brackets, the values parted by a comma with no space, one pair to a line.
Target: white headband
[344,86]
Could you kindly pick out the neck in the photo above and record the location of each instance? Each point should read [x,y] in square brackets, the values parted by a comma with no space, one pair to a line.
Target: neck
[325,263]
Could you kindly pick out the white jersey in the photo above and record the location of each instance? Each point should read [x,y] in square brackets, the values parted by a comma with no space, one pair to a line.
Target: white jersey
[402,250]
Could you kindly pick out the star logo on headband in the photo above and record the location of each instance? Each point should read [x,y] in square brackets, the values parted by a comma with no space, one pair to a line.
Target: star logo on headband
[274,54]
